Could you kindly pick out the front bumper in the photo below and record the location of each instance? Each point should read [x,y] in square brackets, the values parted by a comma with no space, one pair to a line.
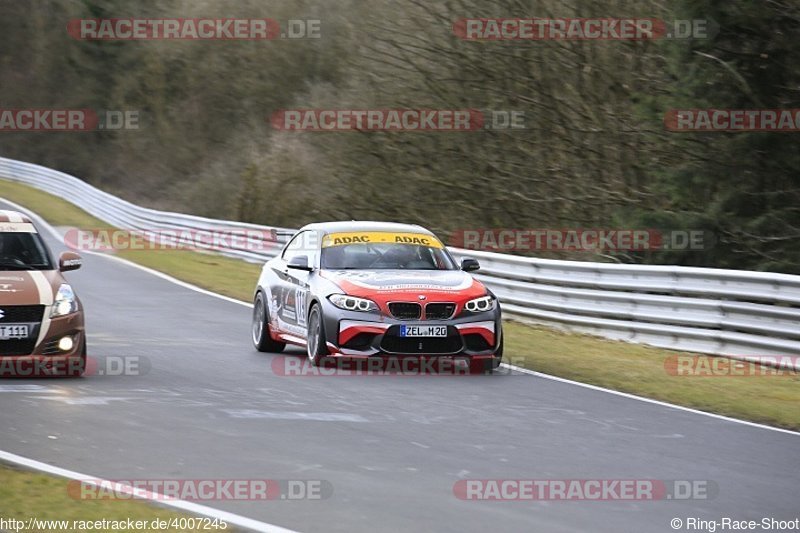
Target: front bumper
[354,334]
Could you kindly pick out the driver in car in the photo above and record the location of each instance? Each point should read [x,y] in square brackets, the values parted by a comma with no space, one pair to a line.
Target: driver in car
[406,257]
[11,249]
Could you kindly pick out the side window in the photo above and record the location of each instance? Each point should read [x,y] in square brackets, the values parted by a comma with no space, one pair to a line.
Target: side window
[304,243]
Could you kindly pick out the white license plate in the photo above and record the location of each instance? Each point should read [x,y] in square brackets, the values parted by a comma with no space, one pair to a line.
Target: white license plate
[423,331]
[13,332]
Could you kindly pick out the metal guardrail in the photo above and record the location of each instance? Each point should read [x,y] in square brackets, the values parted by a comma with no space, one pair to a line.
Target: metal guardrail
[735,313]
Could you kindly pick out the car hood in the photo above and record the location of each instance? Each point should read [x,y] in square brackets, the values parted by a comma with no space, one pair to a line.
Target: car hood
[411,283]
[28,287]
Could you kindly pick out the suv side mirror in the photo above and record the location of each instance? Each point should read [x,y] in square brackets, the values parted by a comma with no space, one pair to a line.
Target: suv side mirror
[469,264]
[69,261]
[299,262]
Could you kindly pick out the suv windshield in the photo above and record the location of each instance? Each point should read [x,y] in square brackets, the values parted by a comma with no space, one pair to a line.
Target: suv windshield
[23,251]
[386,256]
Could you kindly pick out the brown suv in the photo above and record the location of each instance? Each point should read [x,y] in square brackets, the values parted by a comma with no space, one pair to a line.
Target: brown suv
[41,318]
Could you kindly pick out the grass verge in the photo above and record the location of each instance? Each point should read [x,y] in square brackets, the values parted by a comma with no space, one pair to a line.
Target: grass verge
[25,495]
[632,368]
[641,370]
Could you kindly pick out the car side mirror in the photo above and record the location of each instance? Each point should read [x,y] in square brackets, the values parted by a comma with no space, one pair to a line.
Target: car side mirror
[299,262]
[469,264]
[69,261]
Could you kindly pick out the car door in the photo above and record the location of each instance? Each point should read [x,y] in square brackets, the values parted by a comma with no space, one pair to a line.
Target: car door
[292,287]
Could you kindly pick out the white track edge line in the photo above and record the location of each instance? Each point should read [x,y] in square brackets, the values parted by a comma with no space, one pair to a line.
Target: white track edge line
[647,400]
[159,499]
[506,365]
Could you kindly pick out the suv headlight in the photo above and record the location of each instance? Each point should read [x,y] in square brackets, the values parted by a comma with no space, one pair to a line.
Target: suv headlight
[65,302]
[352,303]
[481,305]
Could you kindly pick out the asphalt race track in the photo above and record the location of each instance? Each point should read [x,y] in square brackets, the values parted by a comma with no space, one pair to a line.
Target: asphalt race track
[211,407]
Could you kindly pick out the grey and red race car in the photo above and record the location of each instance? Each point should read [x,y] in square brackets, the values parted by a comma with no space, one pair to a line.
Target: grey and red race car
[374,289]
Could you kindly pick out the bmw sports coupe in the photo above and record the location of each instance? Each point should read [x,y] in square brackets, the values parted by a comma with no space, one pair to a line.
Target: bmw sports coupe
[374,289]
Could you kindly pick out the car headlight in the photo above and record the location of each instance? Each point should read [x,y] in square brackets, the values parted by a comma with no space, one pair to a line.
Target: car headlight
[480,305]
[65,302]
[352,303]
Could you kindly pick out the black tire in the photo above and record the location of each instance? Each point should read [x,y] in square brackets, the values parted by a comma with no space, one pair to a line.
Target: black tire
[317,345]
[260,328]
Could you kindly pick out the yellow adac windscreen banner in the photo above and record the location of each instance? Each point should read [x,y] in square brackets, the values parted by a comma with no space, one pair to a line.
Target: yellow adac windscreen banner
[366,237]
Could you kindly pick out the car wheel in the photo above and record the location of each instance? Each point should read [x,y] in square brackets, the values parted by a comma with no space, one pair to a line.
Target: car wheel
[262,339]
[317,345]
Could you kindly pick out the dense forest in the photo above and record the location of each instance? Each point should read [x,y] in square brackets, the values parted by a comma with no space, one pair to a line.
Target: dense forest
[594,152]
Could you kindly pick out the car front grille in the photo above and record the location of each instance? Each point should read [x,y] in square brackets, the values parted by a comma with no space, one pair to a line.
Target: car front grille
[393,343]
[405,310]
[30,314]
[17,346]
[21,313]
[413,311]
[439,311]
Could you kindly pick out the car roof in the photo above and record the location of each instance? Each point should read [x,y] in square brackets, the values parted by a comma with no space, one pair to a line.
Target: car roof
[13,216]
[364,225]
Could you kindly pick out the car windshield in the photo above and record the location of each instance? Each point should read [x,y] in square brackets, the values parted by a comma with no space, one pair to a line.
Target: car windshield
[23,251]
[384,251]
